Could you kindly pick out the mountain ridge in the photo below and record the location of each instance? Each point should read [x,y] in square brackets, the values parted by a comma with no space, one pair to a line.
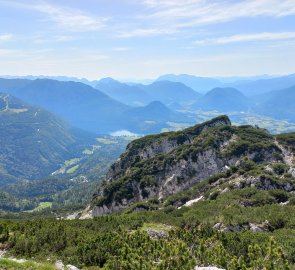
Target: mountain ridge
[157,166]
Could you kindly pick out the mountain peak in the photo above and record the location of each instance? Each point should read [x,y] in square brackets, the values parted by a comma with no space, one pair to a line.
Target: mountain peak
[223,100]
[108,80]
[156,105]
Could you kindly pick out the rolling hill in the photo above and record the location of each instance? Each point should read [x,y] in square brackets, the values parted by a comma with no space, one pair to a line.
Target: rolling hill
[223,100]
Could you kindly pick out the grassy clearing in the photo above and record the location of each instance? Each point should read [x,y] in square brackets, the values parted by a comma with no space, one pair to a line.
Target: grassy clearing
[41,206]
[156,226]
[87,152]
[73,169]
[130,138]
[71,162]
[8,264]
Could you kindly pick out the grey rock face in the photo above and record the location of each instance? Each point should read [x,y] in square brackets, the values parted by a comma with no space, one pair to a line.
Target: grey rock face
[292,172]
[160,146]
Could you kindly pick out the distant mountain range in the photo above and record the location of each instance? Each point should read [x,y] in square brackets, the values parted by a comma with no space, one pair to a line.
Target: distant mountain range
[88,108]
[113,105]
[261,86]
[138,94]
[249,86]
[199,84]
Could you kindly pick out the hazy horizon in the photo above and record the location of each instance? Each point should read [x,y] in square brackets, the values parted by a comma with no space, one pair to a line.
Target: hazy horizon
[146,79]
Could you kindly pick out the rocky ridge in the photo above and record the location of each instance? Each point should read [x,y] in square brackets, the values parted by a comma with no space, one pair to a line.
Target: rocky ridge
[157,166]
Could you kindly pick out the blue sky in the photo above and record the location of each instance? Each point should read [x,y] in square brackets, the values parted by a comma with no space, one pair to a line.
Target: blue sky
[135,39]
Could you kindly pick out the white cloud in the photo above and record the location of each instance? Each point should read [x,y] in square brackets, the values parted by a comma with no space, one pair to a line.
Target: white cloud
[5,37]
[194,13]
[71,19]
[205,11]
[145,32]
[266,36]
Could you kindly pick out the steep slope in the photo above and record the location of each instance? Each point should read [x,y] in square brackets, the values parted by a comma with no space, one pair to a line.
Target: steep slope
[80,104]
[279,104]
[161,165]
[223,100]
[200,84]
[33,142]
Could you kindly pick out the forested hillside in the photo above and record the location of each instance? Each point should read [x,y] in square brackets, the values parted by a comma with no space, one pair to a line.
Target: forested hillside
[33,142]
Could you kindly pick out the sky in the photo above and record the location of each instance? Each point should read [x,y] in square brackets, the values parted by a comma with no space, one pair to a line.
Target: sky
[137,39]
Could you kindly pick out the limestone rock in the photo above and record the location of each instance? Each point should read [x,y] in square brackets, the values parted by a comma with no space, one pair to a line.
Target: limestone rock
[71,267]
[156,234]
[59,265]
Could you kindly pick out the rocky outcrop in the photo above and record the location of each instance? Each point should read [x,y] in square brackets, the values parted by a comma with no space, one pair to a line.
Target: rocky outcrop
[157,234]
[161,165]
[261,182]
[263,227]
[60,266]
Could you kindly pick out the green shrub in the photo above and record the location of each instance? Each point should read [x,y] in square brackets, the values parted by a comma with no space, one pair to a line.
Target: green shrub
[279,195]
[279,168]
